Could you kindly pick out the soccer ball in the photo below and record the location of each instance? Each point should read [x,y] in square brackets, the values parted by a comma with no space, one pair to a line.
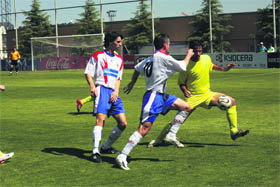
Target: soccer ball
[224,102]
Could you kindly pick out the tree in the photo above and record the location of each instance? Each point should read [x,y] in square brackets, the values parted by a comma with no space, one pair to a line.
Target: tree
[265,24]
[36,24]
[220,27]
[89,22]
[139,31]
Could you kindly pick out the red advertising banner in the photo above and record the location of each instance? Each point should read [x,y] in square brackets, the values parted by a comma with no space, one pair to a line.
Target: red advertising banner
[60,63]
[77,62]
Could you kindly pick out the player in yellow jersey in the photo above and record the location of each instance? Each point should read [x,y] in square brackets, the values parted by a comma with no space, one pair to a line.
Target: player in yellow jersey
[195,84]
[14,56]
[81,102]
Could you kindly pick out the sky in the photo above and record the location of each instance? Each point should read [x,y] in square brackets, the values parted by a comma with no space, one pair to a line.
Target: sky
[125,11]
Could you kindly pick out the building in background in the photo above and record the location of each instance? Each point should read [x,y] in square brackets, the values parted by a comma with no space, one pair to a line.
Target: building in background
[241,36]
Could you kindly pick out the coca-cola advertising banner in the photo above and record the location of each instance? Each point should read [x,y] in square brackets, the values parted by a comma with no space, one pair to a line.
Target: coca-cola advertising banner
[77,62]
[60,63]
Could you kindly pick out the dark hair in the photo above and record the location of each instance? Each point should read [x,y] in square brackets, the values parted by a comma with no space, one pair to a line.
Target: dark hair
[110,37]
[160,40]
[194,44]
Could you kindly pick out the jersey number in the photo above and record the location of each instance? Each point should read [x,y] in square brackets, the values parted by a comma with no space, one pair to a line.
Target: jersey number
[148,68]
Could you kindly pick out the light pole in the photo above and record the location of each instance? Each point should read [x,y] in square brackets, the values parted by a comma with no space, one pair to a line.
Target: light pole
[210,26]
[274,25]
[101,17]
[153,22]
[16,31]
[56,30]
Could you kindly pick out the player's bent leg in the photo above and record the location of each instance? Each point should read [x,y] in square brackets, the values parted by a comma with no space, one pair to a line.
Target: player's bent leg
[115,134]
[170,135]
[231,114]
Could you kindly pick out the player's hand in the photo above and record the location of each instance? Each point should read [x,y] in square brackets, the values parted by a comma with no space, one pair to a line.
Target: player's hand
[93,92]
[128,88]
[190,53]
[114,97]
[187,93]
[229,66]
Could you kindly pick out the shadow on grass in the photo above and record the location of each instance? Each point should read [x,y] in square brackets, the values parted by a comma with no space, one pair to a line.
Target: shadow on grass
[79,113]
[80,153]
[191,144]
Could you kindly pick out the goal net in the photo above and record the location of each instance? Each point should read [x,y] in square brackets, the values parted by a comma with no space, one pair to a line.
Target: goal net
[64,52]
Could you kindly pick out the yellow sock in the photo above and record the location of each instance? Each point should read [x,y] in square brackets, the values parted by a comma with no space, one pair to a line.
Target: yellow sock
[87,99]
[232,119]
[163,133]
[1,154]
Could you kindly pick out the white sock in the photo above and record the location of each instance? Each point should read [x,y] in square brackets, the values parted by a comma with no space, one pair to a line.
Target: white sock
[179,119]
[96,134]
[115,134]
[132,142]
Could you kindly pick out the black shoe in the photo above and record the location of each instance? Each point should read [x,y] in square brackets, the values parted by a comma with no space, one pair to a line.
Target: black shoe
[96,158]
[111,150]
[239,133]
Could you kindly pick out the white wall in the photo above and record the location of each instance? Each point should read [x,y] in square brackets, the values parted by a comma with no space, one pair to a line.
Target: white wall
[3,54]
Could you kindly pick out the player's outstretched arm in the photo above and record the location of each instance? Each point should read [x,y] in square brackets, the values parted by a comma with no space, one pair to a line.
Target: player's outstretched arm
[219,68]
[130,85]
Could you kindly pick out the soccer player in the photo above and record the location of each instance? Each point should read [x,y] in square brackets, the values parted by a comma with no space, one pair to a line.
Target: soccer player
[82,102]
[14,56]
[156,70]
[195,85]
[106,68]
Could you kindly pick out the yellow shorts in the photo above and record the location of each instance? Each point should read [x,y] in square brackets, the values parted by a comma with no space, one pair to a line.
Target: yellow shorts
[201,100]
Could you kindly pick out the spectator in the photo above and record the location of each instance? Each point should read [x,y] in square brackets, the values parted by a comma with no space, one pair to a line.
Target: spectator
[271,49]
[263,48]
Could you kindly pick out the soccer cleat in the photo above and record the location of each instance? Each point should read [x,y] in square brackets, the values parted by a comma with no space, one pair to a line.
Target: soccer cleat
[121,162]
[79,104]
[96,158]
[153,143]
[173,140]
[6,156]
[110,150]
[239,133]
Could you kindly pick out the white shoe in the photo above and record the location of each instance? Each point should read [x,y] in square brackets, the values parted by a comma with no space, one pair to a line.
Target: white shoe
[173,140]
[6,156]
[151,144]
[121,161]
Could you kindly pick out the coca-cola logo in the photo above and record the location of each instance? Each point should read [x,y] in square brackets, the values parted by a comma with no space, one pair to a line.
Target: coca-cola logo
[58,63]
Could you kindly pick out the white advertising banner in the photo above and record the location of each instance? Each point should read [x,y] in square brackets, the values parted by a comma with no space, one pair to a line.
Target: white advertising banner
[242,60]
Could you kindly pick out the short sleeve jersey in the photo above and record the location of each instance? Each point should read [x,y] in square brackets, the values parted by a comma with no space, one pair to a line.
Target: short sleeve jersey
[197,76]
[157,68]
[15,55]
[105,68]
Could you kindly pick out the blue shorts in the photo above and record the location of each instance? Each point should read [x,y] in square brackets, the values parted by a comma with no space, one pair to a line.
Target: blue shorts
[155,103]
[102,103]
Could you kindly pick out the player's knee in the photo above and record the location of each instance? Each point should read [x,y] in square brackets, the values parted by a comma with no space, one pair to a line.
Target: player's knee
[144,128]
[100,122]
[122,126]
[233,102]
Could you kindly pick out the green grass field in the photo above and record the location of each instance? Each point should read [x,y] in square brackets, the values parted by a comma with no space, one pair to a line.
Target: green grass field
[52,143]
